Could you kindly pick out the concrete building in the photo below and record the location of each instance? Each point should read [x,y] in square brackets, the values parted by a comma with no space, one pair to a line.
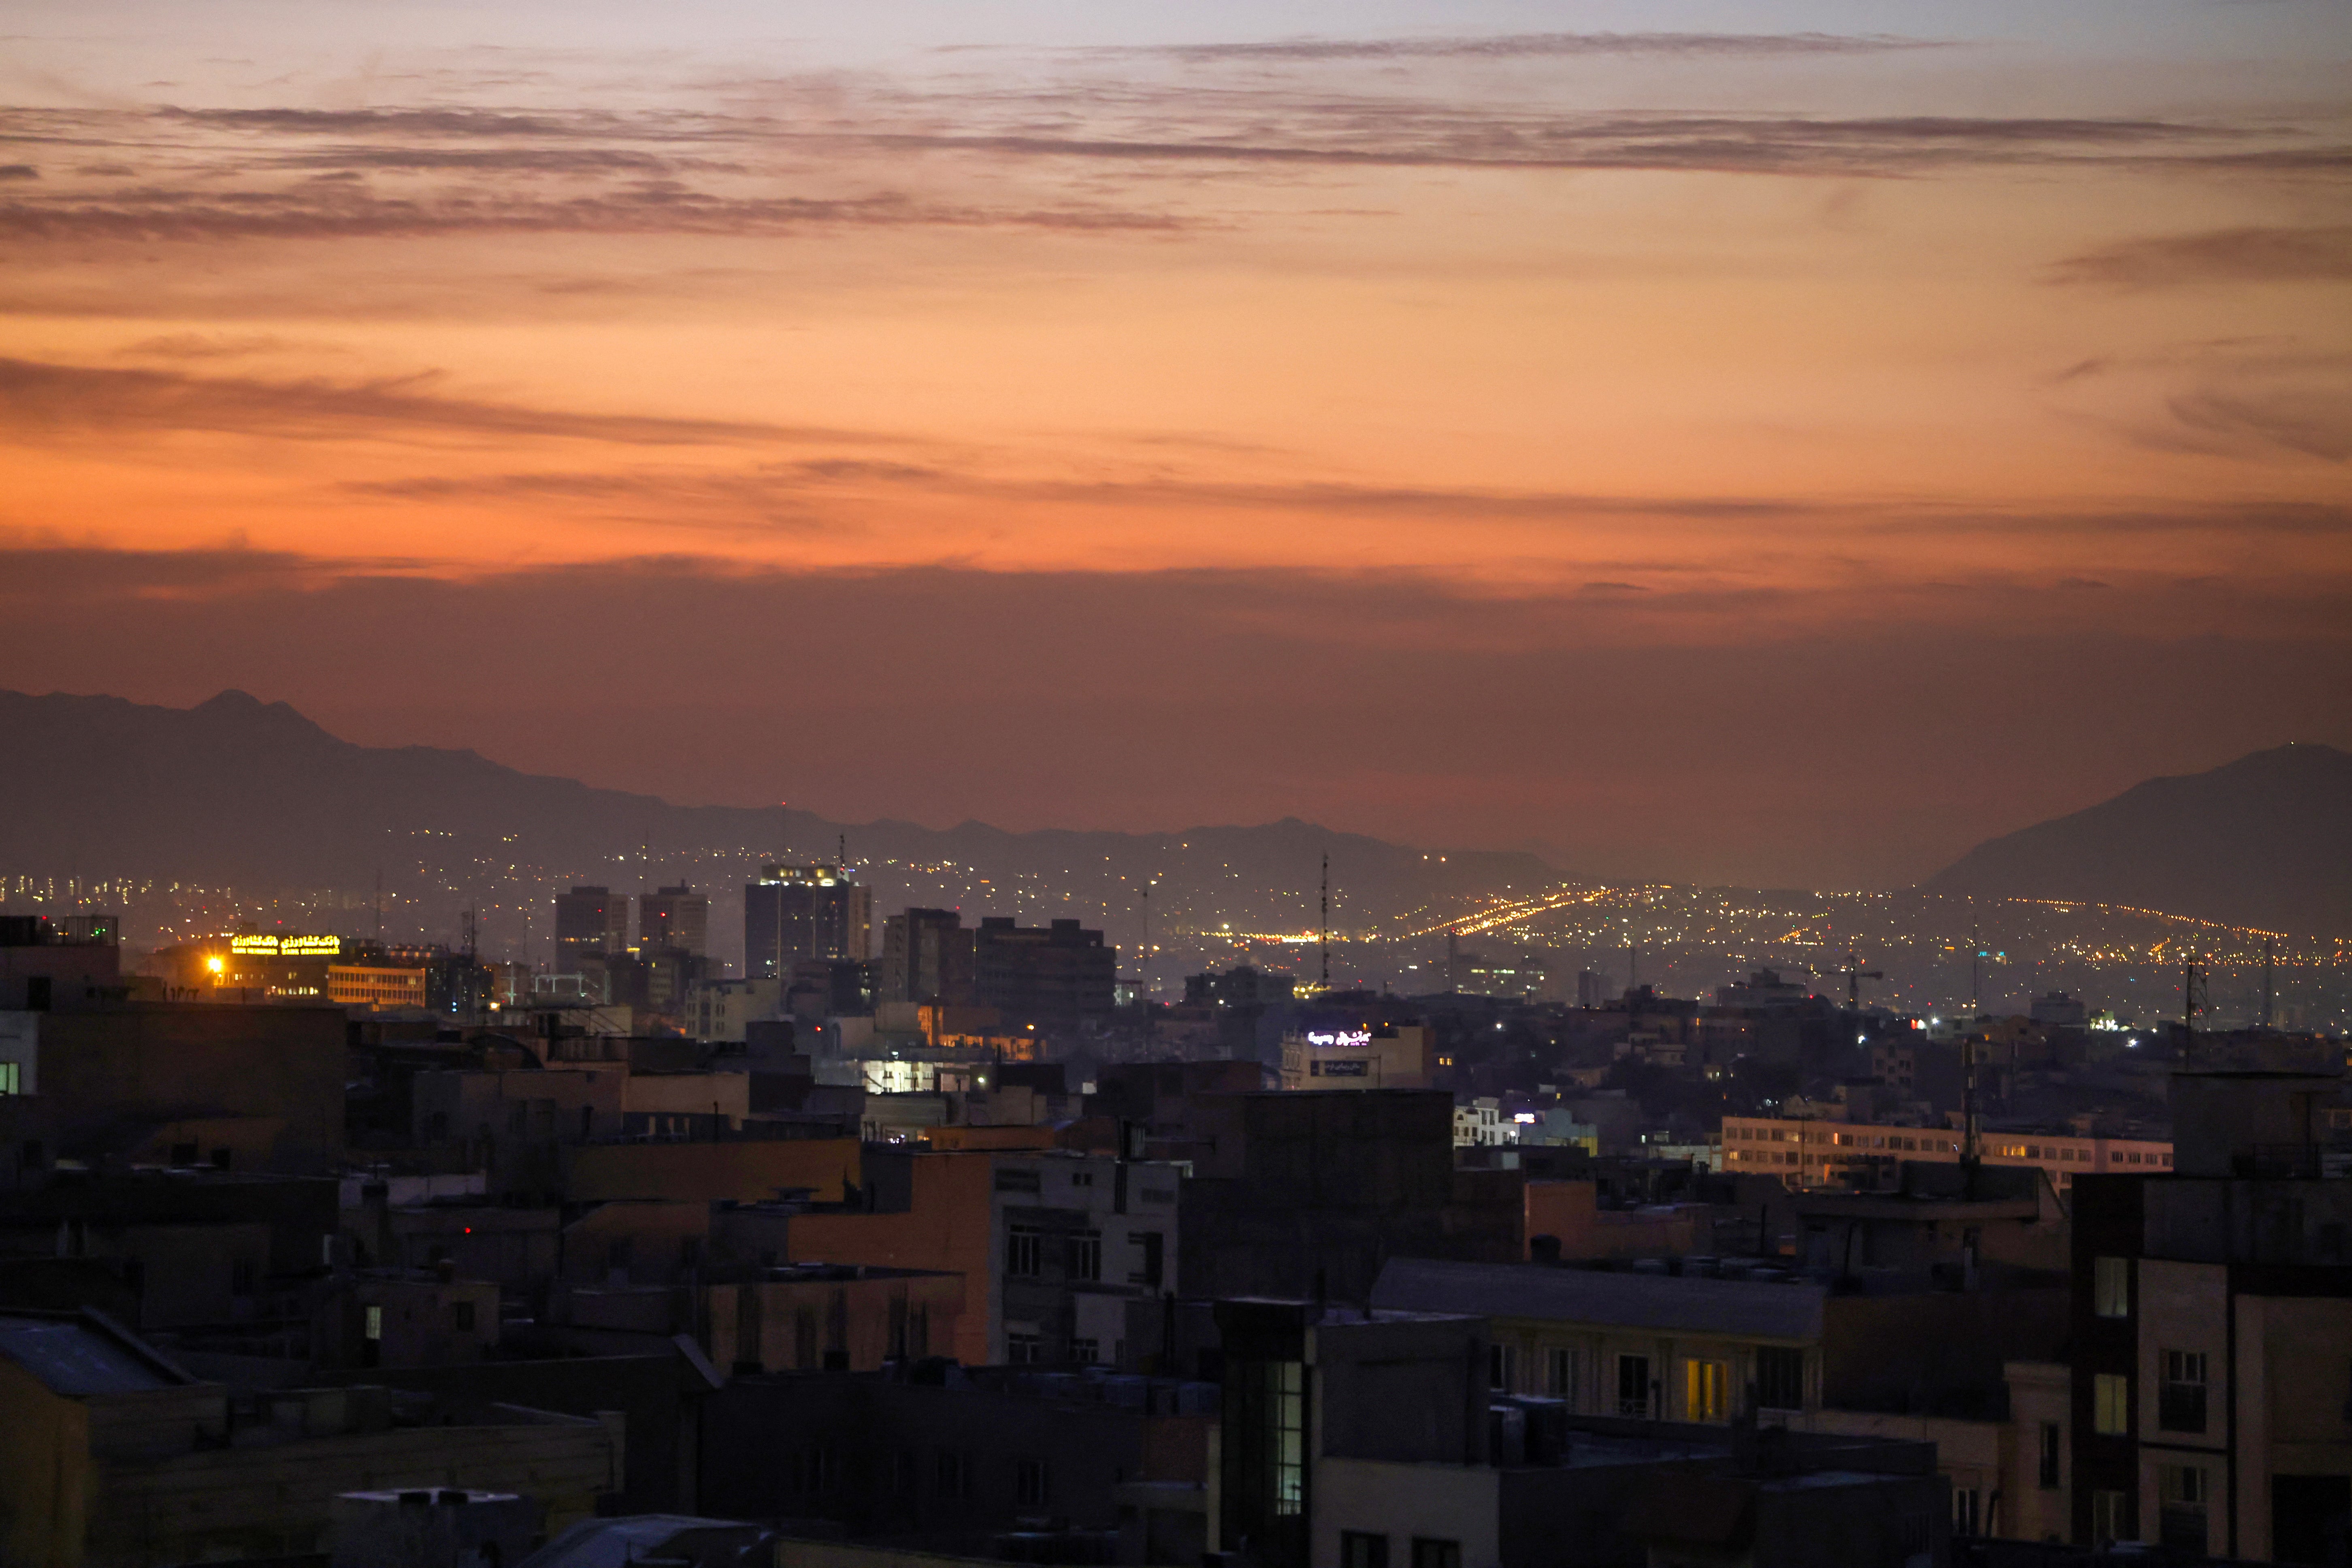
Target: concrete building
[927,957]
[1052,976]
[242,1088]
[400,1317]
[795,912]
[814,1316]
[1814,1152]
[962,1461]
[674,919]
[2211,1384]
[1657,1346]
[375,986]
[1054,1248]
[49,965]
[1350,1054]
[113,1457]
[721,1011]
[1316,1469]
[1292,1190]
[589,921]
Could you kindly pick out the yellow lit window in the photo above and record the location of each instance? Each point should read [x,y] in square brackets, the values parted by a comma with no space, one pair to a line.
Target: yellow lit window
[2110,1405]
[1706,1391]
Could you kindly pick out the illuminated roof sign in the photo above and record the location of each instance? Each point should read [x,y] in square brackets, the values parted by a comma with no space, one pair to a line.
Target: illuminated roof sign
[288,946]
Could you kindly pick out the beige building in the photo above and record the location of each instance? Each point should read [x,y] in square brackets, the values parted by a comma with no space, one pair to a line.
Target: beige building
[2213,1345]
[1373,1056]
[1812,1152]
[374,986]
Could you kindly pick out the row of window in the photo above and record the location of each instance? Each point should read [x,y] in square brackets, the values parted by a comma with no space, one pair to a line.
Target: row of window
[2058,1154]
[1707,1388]
[2181,1405]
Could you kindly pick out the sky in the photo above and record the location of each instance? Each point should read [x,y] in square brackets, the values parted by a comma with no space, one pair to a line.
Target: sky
[1777,445]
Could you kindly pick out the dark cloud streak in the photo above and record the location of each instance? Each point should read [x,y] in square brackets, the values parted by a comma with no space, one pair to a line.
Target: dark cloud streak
[2252,255]
[1527,45]
[39,400]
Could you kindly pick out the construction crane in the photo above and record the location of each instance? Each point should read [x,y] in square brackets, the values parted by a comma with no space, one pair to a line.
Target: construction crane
[1854,975]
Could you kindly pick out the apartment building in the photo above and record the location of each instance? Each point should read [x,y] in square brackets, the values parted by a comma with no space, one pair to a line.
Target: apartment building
[1814,1152]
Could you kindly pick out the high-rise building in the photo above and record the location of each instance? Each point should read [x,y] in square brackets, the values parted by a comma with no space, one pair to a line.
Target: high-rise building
[673,920]
[794,913]
[589,919]
[926,957]
[1046,975]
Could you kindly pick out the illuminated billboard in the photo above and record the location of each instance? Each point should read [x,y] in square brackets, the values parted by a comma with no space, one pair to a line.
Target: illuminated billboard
[1340,1037]
[288,946]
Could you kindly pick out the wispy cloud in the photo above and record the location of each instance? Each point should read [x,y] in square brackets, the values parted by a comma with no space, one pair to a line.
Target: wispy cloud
[2316,423]
[2276,255]
[328,211]
[686,498]
[1531,45]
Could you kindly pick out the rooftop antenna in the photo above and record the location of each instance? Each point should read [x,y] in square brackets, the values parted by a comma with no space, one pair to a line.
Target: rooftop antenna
[841,851]
[2270,989]
[1143,958]
[1324,939]
[379,906]
[1453,958]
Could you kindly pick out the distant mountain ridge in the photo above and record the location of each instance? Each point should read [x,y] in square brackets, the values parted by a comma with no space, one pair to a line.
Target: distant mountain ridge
[236,792]
[2265,841]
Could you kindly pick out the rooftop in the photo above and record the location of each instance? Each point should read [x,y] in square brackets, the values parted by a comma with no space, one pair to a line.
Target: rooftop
[1790,1311]
[80,1357]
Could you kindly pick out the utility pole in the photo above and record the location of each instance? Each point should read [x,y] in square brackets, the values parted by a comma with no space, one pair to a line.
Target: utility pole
[2193,1000]
[1143,957]
[1976,971]
[2270,987]
[1971,1136]
[473,972]
[1325,928]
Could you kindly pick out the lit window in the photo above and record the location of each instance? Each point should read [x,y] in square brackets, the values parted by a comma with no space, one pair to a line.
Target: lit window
[2111,1287]
[2110,1403]
[1706,1391]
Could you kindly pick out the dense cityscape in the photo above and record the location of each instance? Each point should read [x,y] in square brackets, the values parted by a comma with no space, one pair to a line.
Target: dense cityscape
[723,1236]
[1521,783]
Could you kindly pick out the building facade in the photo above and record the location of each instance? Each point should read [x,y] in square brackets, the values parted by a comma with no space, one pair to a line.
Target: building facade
[589,921]
[1054,976]
[2211,1398]
[796,912]
[1814,1152]
[674,919]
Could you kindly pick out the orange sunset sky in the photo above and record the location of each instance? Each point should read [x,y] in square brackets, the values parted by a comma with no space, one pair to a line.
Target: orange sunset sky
[1777,443]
